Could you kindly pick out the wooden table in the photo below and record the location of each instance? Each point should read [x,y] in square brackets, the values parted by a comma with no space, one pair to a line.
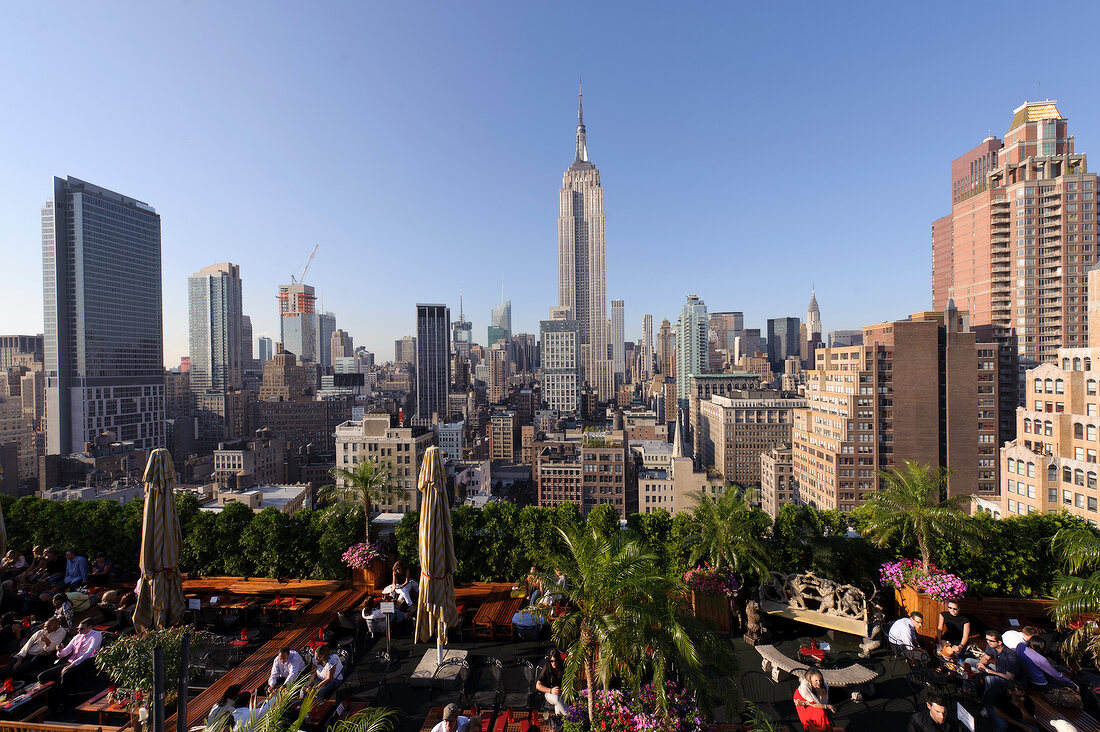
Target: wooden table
[102,707]
[30,699]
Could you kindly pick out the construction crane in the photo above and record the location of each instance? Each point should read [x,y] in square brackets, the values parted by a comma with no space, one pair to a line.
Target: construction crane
[302,278]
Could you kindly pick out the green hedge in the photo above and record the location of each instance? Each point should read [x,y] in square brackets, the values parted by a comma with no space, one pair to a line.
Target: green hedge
[499,542]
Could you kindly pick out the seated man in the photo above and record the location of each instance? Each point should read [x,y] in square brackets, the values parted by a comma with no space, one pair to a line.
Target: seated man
[74,661]
[1012,709]
[903,634]
[285,668]
[934,718]
[328,670]
[1000,665]
[452,720]
[953,629]
[42,642]
[76,570]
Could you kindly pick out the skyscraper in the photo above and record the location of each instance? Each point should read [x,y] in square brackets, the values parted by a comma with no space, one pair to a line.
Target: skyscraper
[813,317]
[582,260]
[647,346]
[500,322]
[783,341]
[665,347]
[341,346]
[246,342]
[463,332]
[104,348]
[618,345]
[214,328]
[433,361]
[326,326]
[298,321]
[1021,234]
[691,348]
[265,348]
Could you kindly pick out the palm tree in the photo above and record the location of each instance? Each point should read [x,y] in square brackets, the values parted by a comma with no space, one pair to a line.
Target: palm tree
[275,713]
[626,618]
[369,481]
[728,533]
[913,506]
[1077,597]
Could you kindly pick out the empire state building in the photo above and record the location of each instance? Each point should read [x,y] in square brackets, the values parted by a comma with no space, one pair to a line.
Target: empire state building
[582,261]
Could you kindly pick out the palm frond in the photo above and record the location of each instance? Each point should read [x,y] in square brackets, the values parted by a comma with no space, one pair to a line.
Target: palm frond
[372,719]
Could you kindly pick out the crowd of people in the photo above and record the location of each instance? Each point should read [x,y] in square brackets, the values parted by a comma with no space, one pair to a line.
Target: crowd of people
[1008,664]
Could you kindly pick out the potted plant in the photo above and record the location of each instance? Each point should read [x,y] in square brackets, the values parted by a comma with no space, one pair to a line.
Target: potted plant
[368,564]
[917,589]
[711,593]
[128,662]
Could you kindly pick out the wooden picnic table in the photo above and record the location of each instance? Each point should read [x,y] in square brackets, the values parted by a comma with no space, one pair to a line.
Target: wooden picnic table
[289,603]
[103,705]
[435,716]
[26,701]
[495,615]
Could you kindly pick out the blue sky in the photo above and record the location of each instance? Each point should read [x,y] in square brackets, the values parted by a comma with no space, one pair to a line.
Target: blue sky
[747,151]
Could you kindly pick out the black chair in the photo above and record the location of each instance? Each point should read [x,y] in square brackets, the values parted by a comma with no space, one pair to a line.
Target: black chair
[758,688]
[448,690]
[485,689]
[349,627]
[518,686]
[371,677]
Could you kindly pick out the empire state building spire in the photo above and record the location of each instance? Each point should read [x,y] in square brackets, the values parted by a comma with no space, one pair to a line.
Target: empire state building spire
[582,143]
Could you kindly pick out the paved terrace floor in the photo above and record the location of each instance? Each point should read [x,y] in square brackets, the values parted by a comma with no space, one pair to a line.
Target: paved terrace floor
[887,709]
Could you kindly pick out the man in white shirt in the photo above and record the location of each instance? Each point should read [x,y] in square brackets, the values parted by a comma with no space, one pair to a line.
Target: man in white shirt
[42,642]
[328,670]
[286,667]
[904,631]
[74,661]
[452,720]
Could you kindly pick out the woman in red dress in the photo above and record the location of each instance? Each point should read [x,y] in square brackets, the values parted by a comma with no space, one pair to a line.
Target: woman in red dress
[811,701]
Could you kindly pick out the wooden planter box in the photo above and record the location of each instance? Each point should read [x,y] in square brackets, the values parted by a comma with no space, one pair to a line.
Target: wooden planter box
[712,607]
[909,599]
[374,577]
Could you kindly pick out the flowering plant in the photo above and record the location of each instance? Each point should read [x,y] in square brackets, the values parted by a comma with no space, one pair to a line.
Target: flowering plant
[705,579]
[937,583]
[360,556]
[626,711]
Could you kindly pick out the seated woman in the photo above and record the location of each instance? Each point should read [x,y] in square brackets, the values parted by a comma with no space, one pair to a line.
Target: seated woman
[549,682]
[101,570]
[403,588]
[1040,671]
[12,564]
[377,622]
[223,708]
[126,607]
[811,701]
[532,585]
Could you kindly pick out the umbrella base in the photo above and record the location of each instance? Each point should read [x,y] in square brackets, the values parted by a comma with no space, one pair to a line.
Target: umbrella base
[425,670]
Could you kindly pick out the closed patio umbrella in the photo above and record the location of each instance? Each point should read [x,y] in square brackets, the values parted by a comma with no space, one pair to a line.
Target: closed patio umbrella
[3,524]
[160,589]
[435,605]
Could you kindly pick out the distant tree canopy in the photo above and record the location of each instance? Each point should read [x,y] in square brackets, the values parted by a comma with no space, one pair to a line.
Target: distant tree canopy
[501,541]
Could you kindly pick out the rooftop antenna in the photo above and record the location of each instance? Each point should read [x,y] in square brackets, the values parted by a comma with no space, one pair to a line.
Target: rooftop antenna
[501,290]
[460,315]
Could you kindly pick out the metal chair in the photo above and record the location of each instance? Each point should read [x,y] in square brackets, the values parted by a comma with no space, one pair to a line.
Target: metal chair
[758,687]
[445,690]
[372,676]
[518,686]
[485,690]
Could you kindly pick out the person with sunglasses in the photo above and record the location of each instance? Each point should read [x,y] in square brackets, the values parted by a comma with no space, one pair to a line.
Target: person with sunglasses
[1000,664]
[953,629]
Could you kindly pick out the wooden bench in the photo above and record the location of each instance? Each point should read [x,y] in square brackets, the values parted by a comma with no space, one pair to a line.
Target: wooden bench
[1045,713]
[6,726]
[487,616]
[857,677]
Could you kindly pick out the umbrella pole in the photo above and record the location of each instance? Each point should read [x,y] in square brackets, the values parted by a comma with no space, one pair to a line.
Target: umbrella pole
[439,644]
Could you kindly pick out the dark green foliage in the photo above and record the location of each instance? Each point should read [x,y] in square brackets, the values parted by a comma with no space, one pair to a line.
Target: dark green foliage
[501,541]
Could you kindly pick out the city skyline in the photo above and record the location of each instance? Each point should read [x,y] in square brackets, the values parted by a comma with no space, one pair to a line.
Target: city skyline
[644,114]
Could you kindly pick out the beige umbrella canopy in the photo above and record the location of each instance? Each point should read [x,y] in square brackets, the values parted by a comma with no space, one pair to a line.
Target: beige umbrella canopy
[435,605]
[160,589]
